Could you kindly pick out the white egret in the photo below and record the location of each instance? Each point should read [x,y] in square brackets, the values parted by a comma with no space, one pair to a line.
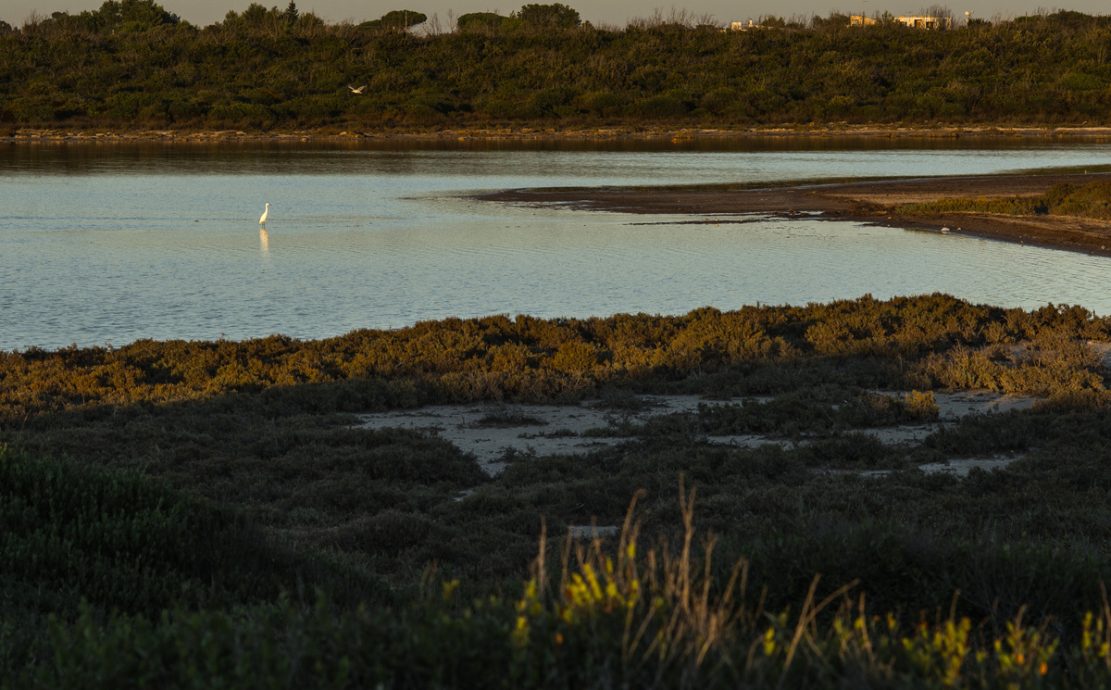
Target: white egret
[358,90]
[265,214]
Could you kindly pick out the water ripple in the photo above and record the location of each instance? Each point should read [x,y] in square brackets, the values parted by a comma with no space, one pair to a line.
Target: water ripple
[116,250]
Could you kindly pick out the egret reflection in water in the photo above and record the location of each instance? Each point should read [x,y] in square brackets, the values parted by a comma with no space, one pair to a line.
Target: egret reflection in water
[385,239]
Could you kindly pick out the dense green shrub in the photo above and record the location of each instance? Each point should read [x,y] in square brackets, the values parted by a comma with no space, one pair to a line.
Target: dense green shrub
[1047,69]
[118,541]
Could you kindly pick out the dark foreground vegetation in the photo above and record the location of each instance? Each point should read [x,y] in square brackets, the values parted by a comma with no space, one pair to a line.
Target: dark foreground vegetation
[140,66]
[192,514]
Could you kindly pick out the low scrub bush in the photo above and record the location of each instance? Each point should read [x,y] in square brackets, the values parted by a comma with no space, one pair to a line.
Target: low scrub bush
[623,613]
[1092,200]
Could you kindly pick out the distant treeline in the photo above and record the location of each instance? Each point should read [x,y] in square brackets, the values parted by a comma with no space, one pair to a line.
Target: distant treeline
[132,64]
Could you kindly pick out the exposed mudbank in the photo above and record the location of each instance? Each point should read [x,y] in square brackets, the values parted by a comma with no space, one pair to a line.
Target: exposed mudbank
[869,201]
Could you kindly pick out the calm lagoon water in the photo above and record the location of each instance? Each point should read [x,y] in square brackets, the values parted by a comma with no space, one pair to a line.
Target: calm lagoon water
[109,245]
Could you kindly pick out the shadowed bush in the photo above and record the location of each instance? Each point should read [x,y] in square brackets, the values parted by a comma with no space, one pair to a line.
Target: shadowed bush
[119,541]
[631,613]
[276,488]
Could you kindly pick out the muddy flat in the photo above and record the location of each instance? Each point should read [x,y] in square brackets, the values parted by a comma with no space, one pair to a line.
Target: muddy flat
[868,200]
[495,432]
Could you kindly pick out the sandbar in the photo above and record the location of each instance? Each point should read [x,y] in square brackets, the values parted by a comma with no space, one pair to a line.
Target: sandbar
[871,200]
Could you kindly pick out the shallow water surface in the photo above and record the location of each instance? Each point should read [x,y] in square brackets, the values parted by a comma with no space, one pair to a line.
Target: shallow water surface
[108,245]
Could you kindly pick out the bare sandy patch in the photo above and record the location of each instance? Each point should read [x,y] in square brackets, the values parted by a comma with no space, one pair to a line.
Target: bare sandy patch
[1102,349]
[957,467]
[961,467]
[497,432]
[955,405]
[492,431]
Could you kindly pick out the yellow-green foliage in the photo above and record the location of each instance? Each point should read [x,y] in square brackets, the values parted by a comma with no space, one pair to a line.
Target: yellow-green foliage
[921,405]
[1092,200]
[659,617]
[453,644]
[624,612]
[1060,367]
[939,339]
[1011,206]
[664,609]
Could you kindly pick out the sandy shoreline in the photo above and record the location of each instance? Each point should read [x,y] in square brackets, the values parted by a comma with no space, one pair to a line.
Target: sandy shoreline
[508,133]
[868,201]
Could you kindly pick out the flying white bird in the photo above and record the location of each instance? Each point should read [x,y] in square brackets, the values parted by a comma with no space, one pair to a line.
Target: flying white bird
[265,214]
[358,90]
